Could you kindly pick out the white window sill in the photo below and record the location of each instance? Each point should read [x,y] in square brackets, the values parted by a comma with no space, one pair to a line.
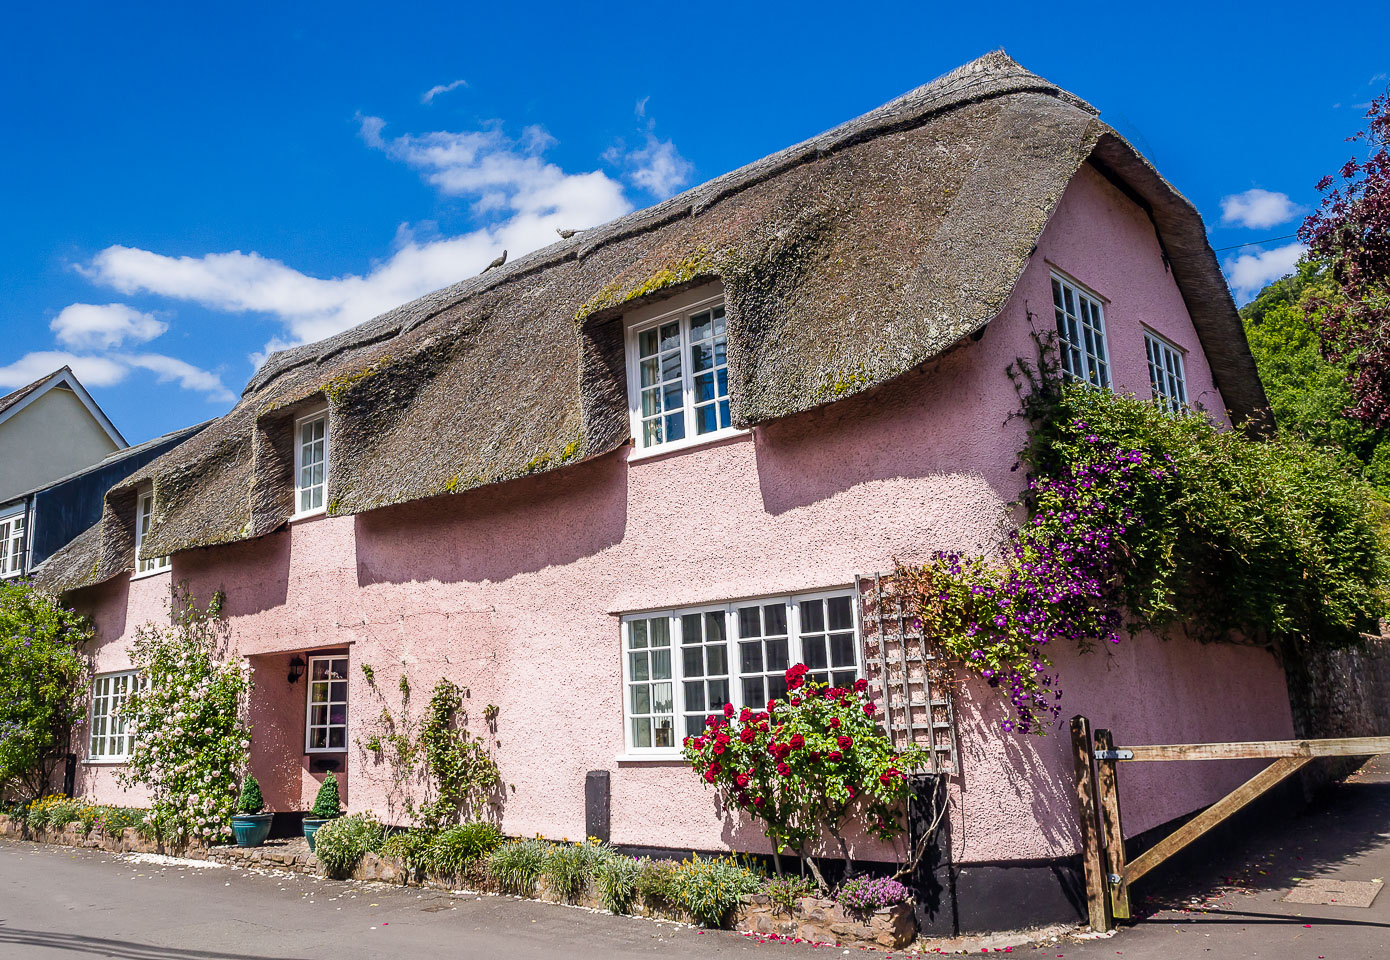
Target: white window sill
[106,763]
[151,573]
[320,512]
[627,759]
[675,446]
[320,751]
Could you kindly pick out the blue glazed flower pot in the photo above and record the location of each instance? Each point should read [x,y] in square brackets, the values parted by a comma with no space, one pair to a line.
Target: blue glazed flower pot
[311,827]
[251,829]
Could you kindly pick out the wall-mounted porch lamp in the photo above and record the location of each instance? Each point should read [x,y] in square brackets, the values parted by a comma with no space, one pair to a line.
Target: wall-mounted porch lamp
[296,668]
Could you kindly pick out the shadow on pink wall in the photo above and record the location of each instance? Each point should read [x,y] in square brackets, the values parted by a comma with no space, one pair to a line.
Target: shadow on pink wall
[550,520]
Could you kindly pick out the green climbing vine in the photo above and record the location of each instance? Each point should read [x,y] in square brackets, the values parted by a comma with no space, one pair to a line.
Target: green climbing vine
[440,773]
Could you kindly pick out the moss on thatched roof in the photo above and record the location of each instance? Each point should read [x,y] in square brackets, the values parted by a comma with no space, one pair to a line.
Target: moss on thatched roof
[845,261]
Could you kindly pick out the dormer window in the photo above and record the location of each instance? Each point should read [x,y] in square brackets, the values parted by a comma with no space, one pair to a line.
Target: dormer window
[311,464]
[678,375]
[1081,334]
[144,516]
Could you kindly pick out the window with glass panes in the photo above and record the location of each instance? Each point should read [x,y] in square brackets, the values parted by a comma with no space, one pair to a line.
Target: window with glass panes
[311,464]
[680,388]
[326,723]
[144,515]
[1080,334]
[12,545]
[733,653]
[1166,375]
[108,731]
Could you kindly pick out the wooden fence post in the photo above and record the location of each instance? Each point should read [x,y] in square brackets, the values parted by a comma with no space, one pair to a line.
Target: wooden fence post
[1097,888]
[1108,792]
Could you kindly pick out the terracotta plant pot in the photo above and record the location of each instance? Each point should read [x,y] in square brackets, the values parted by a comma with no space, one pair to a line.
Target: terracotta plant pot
[251,829]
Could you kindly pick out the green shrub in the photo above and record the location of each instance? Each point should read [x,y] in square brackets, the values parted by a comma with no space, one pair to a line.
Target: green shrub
[616,877]
[341,844]
[327,805]
[411,847]
[251,802]
[113,820]
[786,892]
[451,850]
[656,884]
[514,867]
[709,889]
[569,868]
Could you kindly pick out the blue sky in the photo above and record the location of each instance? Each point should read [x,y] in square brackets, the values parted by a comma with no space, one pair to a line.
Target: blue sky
[185,187]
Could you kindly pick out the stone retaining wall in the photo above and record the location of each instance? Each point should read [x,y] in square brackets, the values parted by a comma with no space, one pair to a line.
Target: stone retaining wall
[825,921]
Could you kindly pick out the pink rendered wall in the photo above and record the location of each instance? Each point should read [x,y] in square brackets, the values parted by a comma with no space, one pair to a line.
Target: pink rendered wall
[514,591]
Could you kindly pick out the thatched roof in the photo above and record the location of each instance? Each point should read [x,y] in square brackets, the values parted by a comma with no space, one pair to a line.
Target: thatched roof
[846,261]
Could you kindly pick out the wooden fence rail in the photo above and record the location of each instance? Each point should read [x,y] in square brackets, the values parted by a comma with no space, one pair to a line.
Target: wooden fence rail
[1108,875]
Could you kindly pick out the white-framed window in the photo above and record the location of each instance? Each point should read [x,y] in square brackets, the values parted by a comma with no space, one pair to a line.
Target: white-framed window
[12,543]
[144,514]
[681,666]
[310,464]
[109,737]
[1081,333]
[325,723]
[1167,375]
[678,377]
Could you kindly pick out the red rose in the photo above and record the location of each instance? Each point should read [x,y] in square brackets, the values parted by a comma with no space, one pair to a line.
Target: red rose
[709,775]
[844,742]
[763,726]
[869,709]
[834,723]
[758,801]
[728,709]
[861,685]
[716,766]
[746,734]
[741,779]
[783,769]
[886,778]
[744,714]
[797,741]
[718,748]
[710,721]
[761,718]
[850,790]
[835,755]
[699,743]
[795,675]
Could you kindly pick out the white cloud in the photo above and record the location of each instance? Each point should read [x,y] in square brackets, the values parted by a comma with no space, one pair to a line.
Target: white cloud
[435,91]
[189,377]
[657,166]
[92,371]
[88,326]
[1249,273]
[1259,209]
[523,198]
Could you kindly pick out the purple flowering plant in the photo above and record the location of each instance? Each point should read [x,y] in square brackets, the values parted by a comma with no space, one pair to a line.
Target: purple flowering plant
[1139,518]
[867,894]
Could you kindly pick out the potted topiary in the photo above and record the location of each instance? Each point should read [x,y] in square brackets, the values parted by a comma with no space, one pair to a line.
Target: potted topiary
[327,807]
[251,822]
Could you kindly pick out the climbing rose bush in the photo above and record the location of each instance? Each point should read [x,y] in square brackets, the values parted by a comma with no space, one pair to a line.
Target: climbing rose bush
[191,741]
[806,762]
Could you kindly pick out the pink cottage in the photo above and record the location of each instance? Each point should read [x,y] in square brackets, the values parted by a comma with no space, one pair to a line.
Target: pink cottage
[640,471]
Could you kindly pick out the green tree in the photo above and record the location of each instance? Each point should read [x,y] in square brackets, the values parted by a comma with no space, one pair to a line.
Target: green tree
[43,676]
[1308,393]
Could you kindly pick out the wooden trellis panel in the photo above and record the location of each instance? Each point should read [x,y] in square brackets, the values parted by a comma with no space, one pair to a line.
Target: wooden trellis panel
[907,676]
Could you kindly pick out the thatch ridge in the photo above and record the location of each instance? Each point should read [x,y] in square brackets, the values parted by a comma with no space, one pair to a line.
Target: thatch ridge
[845,261]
